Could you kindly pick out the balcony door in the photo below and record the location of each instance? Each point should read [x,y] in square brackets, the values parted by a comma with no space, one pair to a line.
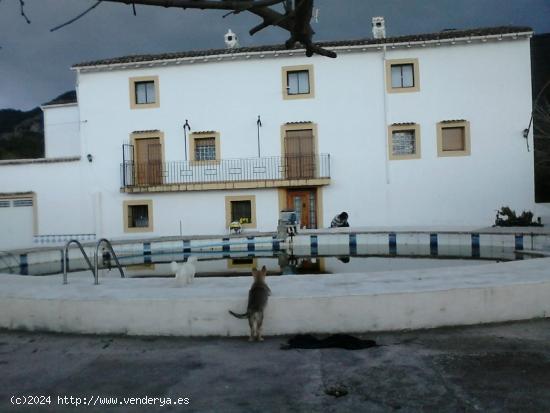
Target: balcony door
[299,154]
[148,161]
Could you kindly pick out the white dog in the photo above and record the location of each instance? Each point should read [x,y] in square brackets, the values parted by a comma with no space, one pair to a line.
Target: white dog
[185,272]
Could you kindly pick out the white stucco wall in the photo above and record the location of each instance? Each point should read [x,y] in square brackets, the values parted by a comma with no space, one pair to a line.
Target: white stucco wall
[487,84]
[63,204]
[61,130]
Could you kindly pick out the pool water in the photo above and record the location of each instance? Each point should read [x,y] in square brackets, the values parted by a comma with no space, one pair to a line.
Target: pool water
[279,263]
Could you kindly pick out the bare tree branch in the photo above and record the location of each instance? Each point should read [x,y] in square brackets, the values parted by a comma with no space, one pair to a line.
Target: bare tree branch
[22,4]
[296,18]
[77,17]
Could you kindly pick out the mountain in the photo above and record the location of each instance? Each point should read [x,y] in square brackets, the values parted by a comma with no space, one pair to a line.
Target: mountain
[22,133]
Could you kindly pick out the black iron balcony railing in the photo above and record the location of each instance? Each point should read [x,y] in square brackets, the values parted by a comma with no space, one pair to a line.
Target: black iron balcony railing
[273,168]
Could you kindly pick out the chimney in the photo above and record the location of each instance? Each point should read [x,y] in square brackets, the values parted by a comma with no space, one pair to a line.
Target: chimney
[378,27]
[231,40]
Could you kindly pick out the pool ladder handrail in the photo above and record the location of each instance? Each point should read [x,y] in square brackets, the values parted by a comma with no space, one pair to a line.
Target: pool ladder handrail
[96,259]
[9,254]
[94,269]
[66,258]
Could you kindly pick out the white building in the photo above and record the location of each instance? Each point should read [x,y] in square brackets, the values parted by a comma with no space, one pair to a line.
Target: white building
[406,131]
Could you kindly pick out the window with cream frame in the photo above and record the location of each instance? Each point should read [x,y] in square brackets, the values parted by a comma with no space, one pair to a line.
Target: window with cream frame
[453,138]
[404,141]
[298,82]
[144,92]
[204,147]
[237,207]
[402,75]
[138,215]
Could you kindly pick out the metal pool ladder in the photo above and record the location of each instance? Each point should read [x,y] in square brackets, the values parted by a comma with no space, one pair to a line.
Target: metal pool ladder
[96,259]
[9,254]
[94,269]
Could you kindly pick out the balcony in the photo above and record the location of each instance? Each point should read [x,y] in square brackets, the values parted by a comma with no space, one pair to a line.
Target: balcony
[266,172]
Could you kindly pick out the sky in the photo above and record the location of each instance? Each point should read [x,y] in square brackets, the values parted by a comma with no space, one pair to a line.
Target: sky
[35,63]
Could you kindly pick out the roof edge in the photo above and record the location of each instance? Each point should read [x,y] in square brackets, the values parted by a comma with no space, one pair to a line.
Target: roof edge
[439,38]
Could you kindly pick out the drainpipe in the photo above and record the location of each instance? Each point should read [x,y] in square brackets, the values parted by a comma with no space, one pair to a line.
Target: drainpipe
[386,163]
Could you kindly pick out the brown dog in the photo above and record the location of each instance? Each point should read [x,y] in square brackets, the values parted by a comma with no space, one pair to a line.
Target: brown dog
[257,301]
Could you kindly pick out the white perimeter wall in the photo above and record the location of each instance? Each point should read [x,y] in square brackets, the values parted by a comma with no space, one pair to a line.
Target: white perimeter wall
[63,205]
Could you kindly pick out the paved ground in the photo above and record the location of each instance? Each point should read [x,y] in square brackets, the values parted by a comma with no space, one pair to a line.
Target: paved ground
[496,368]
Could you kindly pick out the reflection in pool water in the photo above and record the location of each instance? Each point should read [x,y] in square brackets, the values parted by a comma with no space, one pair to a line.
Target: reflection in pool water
[280,263]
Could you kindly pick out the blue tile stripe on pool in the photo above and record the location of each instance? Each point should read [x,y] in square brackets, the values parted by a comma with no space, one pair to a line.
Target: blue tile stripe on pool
[475,245]
[392,243]
[146,252]
[353,244]
[186,246]
[314,244]
[226,248]
[519,242]
[23,264]
[275,244]
[251,246]
[225,244]
[433,245]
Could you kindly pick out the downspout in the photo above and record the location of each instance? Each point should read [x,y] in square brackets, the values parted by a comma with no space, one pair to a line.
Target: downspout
[386,155]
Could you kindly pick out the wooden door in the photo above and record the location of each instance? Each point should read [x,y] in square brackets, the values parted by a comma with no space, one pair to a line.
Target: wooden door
[299,154]
[148,161]
[304,202]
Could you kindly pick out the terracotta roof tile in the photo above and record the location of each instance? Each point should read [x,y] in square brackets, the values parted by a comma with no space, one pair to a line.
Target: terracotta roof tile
[447,34]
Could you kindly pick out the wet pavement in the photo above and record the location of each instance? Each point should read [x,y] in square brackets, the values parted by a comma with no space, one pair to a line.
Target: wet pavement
[492,368]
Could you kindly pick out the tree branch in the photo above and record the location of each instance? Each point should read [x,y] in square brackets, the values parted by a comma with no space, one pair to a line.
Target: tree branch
[22,4]
[296,18]
[77,17]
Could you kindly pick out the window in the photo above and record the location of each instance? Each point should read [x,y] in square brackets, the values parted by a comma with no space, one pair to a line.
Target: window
[138,216]
[205,149]
[453,138]
[241,211]
[204,146]
[239,208]
[144,92]
[402,75]
[298,82]
[404,141]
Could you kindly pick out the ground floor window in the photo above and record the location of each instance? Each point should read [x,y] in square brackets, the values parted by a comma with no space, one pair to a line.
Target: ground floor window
[138,216]
[404,141]
[453,138]
[241,209]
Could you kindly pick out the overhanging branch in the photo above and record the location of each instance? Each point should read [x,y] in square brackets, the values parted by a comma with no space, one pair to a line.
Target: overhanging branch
[296,18]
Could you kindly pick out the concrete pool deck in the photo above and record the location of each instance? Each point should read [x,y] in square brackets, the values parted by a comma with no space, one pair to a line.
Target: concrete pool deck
[490,368]
[377,301]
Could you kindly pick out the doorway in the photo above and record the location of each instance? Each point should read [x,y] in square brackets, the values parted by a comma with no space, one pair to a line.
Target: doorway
[299,152]
[148,161]
[304,201]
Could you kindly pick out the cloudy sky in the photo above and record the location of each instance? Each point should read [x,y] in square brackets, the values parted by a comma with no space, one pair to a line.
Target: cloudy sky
[34,63]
